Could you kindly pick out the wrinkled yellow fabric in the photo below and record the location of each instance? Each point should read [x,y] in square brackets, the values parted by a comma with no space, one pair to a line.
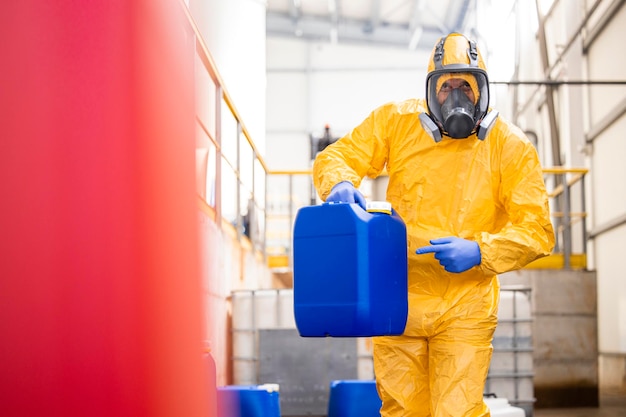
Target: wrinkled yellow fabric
[489,191]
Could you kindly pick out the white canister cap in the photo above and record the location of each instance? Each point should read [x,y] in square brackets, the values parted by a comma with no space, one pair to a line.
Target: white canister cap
[378,207]
[269,387]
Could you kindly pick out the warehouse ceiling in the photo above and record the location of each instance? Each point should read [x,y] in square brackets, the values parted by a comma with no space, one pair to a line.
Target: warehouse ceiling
[413,24]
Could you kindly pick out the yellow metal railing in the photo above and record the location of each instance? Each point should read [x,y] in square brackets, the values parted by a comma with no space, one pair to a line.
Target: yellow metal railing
[566,192]
[231,173]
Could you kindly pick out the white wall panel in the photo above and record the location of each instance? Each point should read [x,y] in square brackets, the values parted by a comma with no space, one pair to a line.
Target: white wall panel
[344,98]
[611,291]
[289,151]
[286,54]
[606,61]
[609,171]
[311,84]
[287,103]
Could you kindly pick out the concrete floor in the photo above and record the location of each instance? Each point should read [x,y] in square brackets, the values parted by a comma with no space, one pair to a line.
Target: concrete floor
[610,406]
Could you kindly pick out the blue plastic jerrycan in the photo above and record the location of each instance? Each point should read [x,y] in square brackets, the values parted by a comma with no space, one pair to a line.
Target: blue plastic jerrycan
[350,271]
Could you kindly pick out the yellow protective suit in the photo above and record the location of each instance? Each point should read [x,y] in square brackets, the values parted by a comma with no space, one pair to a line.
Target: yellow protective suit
[491,192]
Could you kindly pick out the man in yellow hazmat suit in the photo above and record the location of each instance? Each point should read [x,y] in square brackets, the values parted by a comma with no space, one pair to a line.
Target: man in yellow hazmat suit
[469,186]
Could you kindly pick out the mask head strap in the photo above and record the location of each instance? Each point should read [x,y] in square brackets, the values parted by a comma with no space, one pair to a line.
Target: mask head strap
[438,56]
[472,53]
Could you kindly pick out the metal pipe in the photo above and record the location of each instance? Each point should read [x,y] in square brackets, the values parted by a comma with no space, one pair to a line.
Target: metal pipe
[545,60]
[584,210]
[560,56]
[567,227]
[562,82]
[576,34]
[610,225]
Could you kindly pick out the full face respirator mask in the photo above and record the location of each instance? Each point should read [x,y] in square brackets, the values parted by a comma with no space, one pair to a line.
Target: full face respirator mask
[457,113]
[457,116]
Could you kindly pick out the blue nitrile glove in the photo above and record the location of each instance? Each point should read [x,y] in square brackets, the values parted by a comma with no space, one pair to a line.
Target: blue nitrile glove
[453,253]
[344,192]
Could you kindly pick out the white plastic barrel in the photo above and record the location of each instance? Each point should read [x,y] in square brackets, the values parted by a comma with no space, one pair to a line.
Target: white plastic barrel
[500,407]
[253,310]
[511,369]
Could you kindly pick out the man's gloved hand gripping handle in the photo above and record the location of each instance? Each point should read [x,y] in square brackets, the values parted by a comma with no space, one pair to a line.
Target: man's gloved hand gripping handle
[344,192]
[453,253]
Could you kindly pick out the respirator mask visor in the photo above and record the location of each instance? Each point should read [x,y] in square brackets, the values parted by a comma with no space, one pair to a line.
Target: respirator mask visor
[458,115]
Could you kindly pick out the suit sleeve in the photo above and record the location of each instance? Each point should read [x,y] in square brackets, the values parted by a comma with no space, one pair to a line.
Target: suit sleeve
[529,234]
[362,152]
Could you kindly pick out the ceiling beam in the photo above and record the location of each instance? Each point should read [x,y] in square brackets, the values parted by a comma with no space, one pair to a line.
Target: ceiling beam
[374,21]
[333,10]
[349,30]
[295,10]
[415,26]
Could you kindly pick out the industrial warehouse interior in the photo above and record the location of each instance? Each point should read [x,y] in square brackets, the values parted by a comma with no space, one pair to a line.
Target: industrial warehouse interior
[159,165]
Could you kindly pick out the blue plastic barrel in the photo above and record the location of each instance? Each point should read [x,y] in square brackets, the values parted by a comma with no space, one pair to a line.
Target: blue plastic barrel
[353,398]
[248,401]
[349,272]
